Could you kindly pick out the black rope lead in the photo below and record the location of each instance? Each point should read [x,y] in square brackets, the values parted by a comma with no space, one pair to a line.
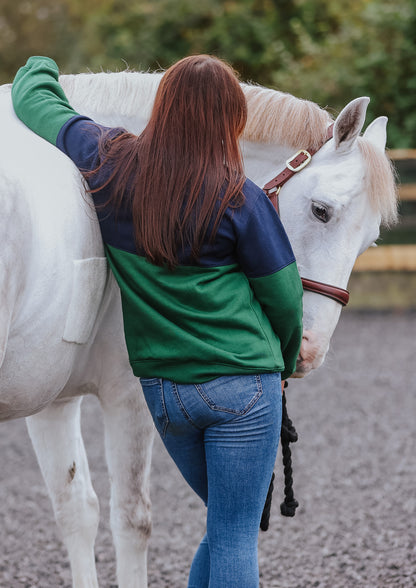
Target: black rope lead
[265,517]
[288,435]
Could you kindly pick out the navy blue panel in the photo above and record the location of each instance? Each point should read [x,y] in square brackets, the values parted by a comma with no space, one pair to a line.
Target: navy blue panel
[80,138]
[251,235]
[263,247]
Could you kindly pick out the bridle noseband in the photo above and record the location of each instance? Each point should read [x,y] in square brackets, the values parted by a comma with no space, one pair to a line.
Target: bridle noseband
[294,165]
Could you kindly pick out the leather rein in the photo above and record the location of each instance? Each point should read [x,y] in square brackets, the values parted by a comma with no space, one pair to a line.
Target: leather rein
[294,165]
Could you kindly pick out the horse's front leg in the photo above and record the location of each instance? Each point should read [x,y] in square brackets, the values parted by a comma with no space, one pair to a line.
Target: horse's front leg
[129,439]
[56,436]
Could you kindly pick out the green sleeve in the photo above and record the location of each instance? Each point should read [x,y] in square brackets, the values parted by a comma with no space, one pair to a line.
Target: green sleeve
[39,100]
[280,295]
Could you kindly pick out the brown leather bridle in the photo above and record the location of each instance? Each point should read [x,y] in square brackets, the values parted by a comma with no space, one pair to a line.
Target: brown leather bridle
[294,165]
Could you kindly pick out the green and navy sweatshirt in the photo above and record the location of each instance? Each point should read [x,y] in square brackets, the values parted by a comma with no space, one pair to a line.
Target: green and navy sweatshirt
[236,310]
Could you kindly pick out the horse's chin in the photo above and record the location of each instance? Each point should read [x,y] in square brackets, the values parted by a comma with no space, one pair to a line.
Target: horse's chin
[312,354]
[302,369]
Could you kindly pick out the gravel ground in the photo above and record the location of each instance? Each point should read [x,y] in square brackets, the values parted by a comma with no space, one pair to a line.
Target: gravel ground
[354,476]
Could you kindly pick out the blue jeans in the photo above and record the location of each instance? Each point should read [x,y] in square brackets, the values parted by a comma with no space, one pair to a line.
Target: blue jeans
[223,436]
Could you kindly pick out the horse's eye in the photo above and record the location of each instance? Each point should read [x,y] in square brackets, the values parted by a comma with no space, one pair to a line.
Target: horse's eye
[320,211]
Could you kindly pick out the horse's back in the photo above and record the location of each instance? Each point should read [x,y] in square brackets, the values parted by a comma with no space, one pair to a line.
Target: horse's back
[53,272]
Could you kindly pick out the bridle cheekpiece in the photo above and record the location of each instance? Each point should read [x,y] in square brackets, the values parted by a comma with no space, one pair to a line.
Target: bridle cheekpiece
[294,165]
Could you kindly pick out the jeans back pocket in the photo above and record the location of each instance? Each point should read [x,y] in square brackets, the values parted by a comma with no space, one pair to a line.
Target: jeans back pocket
[231,394]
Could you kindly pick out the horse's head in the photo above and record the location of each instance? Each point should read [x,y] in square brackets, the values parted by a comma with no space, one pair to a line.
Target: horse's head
[332,209]
[332,212]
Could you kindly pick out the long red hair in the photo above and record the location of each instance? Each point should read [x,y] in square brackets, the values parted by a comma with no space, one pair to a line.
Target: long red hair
[185,168]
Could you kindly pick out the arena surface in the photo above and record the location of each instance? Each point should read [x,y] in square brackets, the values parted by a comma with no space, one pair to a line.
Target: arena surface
[354,476]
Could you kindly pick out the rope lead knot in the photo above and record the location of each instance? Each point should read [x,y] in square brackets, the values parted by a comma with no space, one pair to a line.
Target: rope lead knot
[288,435]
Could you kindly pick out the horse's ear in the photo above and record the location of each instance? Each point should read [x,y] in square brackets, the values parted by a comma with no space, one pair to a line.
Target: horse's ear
[376,132]
[349,123]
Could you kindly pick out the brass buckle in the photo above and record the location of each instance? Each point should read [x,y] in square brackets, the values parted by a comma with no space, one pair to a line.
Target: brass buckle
[301,165]
[274,190]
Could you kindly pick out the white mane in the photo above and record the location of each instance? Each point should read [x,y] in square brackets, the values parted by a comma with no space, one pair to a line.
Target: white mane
[273,117]
[122,92]
[125,92]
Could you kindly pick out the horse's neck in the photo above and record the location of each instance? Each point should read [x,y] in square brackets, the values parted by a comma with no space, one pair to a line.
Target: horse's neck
[126,99]
[263,161]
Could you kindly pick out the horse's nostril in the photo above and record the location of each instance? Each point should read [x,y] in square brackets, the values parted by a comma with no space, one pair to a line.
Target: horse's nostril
[307,336]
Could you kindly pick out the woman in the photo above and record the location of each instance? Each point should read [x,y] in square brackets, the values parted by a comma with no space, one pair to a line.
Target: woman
[211,295]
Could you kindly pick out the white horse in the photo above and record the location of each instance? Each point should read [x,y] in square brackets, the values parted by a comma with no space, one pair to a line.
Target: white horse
[61,332]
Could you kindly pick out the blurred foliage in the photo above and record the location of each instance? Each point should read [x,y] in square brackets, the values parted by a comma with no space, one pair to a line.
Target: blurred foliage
[328,51]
